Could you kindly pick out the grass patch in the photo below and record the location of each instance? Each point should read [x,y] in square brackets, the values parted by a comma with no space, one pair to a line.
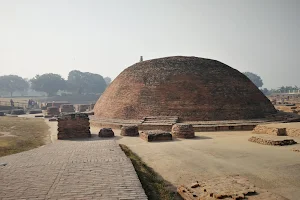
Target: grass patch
[154,186]
[30,133]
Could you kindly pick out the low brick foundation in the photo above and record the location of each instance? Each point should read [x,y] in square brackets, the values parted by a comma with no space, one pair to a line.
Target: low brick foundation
[155,135]
[272,140]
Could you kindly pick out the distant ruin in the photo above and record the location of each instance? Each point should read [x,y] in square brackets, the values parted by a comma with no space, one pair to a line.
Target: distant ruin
[191,88]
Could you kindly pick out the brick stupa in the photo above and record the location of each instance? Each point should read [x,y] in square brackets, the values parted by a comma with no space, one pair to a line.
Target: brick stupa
[191,88]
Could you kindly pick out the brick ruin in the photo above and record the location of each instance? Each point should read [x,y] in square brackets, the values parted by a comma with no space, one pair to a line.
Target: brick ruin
[155,135]
[227,187]
[69,108]
[129,131]
[183,131]
[272,140]
[106,132]
[192,88]
[75,125]
[52,111]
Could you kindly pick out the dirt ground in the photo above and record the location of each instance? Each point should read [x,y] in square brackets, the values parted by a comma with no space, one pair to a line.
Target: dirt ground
[215,154]
[21,134]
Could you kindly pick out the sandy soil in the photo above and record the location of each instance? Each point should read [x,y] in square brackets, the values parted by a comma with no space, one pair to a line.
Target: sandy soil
[214,154]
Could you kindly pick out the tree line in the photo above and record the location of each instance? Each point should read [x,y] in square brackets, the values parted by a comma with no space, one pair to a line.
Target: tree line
[77,83]
[256,79]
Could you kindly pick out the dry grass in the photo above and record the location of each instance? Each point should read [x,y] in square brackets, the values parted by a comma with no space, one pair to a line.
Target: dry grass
[154,186]
[28,134]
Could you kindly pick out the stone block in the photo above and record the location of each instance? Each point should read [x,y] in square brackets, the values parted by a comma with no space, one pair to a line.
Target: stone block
[106,132]
[183,131]
[156,135]
[129,131]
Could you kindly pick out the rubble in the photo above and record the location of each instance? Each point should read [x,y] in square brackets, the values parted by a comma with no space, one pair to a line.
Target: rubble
[67,108]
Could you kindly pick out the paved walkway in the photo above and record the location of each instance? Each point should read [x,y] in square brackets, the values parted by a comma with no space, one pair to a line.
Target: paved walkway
[86,169]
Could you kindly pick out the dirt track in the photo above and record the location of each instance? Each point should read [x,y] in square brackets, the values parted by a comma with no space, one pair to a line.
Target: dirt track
[213,154]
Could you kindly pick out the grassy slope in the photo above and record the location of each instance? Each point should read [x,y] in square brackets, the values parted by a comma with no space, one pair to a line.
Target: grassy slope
[155,188]
[31,133]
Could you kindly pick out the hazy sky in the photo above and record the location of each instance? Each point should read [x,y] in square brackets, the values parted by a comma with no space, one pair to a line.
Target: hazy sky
[106,36]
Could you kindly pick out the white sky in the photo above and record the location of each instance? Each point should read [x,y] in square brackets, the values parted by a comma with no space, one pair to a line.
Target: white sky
[106,36]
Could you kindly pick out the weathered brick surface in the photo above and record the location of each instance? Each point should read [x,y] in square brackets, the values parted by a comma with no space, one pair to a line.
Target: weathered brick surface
[73,126]
[262,129]
[53,110]
[70,170]
[188,87]
[183,131]
[69,108]
[129,131]
[106,132]
[155,135]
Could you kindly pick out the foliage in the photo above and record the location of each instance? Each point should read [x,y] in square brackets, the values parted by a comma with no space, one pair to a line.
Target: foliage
[285,89]
[107,80]
[49,83]
[265,91]
[85,82]
[12,83]
[254,78]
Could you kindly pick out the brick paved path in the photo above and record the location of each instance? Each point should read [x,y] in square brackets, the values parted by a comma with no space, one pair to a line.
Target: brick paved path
[91,169]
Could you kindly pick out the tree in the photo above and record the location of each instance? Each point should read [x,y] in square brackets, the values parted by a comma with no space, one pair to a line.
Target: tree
[254,78]
[85,82]
[107,80]
[49,83]
[265,91]
[13,83]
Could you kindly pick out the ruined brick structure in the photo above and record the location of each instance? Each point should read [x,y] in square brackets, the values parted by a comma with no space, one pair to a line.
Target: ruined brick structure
[183,131]
[189,87]
[73,125]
